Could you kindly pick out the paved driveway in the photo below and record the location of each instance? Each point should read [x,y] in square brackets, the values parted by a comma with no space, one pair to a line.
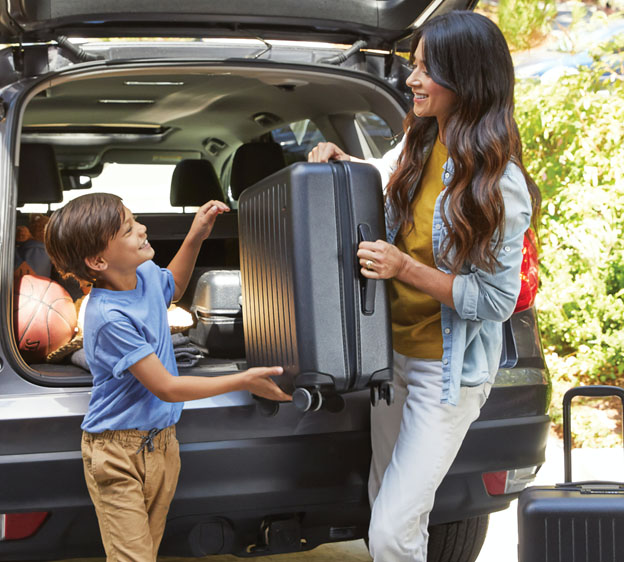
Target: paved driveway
[352,551]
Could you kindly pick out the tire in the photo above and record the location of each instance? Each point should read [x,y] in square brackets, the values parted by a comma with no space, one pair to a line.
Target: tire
[458,541]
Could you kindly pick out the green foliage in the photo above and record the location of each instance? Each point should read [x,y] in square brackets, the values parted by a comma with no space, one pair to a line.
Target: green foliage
[525,22]
[573,136]
[585,20]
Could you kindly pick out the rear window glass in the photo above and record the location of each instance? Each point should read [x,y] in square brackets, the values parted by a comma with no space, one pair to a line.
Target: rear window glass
[144,188]
[376,132]
[297,139]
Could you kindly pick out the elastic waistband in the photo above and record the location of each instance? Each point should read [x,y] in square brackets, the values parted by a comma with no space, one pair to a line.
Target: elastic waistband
[134,436]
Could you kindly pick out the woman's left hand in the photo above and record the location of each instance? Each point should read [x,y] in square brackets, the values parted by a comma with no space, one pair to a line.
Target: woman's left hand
[380,260]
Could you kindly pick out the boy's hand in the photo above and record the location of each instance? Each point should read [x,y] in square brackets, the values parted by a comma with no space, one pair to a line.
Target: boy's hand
[259,383]
[183,262]
[205,218]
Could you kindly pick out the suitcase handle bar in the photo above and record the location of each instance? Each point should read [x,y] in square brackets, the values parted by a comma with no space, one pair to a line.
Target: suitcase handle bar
[368,286]
[592,391]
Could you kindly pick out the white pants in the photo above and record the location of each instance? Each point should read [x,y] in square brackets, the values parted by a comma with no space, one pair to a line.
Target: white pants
[414,443]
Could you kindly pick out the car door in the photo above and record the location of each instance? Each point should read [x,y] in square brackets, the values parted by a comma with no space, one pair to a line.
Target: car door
[381,24]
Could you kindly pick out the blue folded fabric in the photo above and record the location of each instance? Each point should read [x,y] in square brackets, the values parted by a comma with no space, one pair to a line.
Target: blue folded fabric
[186,354]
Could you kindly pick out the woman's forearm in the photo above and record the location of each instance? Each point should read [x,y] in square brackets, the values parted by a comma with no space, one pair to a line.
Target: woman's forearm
[429,280]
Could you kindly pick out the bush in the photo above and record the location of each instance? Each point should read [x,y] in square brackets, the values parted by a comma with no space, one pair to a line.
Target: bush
[573,136]
[525,22]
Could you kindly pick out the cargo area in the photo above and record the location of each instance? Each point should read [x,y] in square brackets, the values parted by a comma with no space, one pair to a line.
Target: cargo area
[167,140]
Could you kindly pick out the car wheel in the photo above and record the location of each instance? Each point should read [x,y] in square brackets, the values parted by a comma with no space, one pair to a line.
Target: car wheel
[458,541]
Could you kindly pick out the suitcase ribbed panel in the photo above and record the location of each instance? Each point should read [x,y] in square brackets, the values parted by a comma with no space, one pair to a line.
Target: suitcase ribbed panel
[583,539]
[567,525]
[269,322]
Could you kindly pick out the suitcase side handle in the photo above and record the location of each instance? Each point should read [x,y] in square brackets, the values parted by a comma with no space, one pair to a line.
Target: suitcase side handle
[592,391]
[368,286]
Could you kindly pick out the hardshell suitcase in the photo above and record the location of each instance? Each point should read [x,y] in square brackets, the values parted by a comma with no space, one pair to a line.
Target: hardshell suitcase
[573,521]
[217,306]
[306,305]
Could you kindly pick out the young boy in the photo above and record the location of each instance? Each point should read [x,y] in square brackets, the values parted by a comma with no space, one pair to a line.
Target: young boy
[129,448]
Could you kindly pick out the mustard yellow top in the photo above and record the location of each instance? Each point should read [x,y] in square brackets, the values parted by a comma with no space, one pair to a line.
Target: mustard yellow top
[416,328]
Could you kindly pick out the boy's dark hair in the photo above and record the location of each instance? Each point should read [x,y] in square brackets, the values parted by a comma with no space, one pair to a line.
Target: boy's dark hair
[82,229]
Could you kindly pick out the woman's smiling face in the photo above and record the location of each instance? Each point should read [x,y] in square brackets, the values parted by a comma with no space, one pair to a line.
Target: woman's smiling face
[430,99]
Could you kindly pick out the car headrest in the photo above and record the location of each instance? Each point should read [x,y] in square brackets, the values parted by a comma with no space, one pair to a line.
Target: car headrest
[252,162]
[39,179]
[193,183]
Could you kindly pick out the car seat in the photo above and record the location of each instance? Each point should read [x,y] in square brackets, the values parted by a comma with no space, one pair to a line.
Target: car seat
[252,162]
[38,181]
[194,182]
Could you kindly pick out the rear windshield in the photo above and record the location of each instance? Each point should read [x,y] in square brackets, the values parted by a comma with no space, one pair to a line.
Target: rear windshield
[144,188]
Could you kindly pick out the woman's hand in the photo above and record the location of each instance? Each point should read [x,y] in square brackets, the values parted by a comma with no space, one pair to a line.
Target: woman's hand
[380,260]
[325,151]
[257,381]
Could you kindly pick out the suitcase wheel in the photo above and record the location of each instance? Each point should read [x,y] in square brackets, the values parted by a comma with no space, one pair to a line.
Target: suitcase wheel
[333,403]
[382,391]
[307,400]
[374,394]
[386,392]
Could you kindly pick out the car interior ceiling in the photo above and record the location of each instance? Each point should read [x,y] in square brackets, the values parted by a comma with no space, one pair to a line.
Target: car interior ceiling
[185,109]
[208,118]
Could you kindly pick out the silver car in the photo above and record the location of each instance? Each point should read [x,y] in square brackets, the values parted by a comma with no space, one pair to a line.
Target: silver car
[113,96]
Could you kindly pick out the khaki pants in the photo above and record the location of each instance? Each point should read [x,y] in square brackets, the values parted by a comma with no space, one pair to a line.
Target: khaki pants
[131,492]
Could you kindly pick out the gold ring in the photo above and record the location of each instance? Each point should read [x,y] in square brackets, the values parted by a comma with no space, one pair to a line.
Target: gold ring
[369,264]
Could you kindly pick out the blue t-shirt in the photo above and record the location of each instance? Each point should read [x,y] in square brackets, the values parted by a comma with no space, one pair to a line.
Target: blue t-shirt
[121,328]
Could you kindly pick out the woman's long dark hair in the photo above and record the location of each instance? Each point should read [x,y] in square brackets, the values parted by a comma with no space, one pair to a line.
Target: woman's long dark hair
[467,54]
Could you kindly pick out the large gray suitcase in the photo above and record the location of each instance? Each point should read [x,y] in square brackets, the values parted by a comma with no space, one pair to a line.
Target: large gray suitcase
[573,521]
[217,306]
[306,305]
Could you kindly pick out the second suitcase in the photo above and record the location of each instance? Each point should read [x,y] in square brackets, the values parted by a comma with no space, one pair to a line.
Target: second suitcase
[306,305]
[573,521]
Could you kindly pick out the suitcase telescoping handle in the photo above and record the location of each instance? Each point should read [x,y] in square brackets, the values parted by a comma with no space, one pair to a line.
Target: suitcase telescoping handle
[367,286]
[597,390]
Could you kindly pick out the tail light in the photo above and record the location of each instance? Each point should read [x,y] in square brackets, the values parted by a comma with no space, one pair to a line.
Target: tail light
[508,481]
[529,276]
[15,526]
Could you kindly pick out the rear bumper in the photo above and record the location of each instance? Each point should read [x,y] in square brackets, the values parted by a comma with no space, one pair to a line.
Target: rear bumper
[490,446]
[319,478]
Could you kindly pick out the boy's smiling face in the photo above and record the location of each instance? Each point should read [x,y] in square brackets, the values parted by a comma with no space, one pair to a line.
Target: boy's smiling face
[126,251]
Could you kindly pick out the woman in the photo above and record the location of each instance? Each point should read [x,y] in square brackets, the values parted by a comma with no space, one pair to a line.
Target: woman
[458,203]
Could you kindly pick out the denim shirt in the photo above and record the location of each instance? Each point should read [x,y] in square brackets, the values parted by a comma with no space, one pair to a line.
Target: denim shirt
[472,330]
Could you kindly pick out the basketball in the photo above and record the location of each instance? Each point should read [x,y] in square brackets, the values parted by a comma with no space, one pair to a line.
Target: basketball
[44,317]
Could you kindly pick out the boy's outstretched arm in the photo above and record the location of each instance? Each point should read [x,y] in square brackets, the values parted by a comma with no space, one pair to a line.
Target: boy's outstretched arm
[183,262]
[153,375]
